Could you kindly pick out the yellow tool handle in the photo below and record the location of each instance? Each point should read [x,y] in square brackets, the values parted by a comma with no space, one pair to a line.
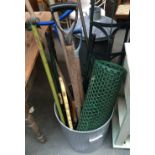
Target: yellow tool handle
[66,104]
[45,63]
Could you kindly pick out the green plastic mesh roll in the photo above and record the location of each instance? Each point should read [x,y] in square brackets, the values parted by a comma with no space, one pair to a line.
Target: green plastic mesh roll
[101,95]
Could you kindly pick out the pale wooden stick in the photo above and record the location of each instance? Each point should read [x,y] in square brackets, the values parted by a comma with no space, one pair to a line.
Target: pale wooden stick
[69,94]
[66,103]
[45,64]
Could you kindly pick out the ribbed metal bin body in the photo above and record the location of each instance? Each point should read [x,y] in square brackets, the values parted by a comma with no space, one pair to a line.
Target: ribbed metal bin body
[84,141]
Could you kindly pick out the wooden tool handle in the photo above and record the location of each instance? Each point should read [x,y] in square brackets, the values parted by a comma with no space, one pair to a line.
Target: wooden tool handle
[73,111]
[66,104]
[45,63]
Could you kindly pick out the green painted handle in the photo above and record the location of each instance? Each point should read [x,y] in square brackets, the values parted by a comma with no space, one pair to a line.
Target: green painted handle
[47,70]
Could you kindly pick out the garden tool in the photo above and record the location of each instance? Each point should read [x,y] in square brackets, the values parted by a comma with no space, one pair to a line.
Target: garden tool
[72,58]
[44,61]
[52,23]
[62,41]
[53,64]
[59,77]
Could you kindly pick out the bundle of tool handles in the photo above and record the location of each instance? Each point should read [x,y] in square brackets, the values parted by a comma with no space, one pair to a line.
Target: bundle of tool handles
[75,109]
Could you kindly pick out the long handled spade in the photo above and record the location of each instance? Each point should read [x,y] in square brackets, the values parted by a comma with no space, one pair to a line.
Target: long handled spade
[44,60]
[72,60]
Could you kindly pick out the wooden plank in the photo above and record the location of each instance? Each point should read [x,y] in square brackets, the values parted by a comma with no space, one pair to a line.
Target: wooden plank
[122,11]
[75,79]
[31,49]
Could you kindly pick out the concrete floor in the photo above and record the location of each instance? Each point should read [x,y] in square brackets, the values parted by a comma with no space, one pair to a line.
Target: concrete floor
[41,99]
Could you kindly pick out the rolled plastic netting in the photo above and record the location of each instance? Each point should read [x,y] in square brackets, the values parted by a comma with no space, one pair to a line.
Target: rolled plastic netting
[101,95]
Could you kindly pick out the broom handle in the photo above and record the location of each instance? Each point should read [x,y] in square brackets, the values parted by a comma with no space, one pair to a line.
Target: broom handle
[45,63]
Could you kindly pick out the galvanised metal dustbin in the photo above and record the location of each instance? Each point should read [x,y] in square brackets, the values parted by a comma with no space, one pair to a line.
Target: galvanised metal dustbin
[84,141]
